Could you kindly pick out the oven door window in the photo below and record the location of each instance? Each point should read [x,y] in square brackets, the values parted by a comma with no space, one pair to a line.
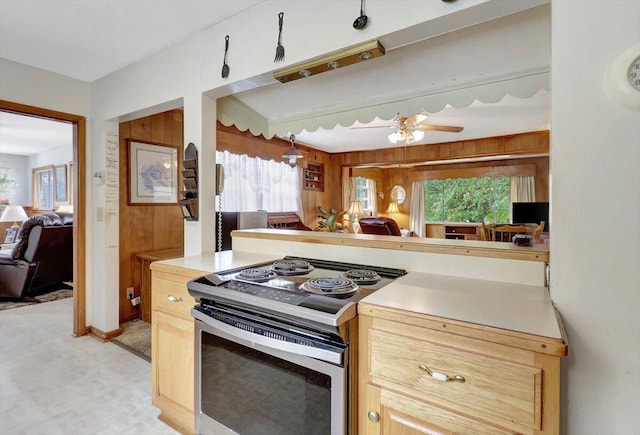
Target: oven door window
[252,392]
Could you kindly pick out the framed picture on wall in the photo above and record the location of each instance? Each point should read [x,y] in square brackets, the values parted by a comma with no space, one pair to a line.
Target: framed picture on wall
[60,178]
[152,173]
[10,235]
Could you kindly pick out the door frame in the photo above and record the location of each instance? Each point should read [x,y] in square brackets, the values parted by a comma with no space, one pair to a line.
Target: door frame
[79,202]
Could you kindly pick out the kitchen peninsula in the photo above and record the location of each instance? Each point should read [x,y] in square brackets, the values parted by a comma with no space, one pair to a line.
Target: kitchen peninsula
[477,310]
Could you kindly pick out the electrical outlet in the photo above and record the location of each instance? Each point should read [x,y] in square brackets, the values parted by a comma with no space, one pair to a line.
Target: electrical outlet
[130,294]
[135,301]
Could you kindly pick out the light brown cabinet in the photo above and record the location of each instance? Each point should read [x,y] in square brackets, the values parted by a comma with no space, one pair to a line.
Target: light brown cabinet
[420,374]
[450,230]
[172,346]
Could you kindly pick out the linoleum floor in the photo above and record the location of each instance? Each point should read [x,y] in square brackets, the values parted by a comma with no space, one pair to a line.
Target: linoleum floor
[52,383]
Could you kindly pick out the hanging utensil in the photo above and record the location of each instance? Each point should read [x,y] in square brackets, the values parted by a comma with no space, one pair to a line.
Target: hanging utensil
[361,22]
[279,49]
[225,67]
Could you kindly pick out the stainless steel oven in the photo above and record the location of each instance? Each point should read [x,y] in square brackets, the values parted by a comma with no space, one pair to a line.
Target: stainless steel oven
[274,346]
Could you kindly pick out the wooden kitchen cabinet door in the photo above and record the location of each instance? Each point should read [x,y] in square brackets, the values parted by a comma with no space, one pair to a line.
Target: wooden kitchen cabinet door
[172,370]
[172,346]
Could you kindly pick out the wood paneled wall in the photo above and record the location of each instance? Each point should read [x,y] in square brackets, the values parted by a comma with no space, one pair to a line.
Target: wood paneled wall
[386,178]
[516,144]
[146,228]
[237,142]
[339,166]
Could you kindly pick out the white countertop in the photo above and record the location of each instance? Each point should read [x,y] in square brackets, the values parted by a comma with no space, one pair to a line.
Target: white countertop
[224,260]
[515,307]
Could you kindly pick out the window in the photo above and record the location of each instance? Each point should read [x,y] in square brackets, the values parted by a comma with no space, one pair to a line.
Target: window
[251,184]
[362,192]
[43,187]
[481,199]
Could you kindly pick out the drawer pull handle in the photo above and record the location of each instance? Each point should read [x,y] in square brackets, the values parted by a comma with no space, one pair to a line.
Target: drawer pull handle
[174,299]
[373,416]
[440,376]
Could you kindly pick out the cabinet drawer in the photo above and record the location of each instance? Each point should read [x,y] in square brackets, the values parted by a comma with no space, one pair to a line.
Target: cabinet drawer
[494,389]
[171,297]
[399,413]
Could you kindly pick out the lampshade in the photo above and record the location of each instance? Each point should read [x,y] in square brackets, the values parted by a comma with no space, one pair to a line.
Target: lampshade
[355,209]
[68,208]
[292,154]
[393,208]
[13,213]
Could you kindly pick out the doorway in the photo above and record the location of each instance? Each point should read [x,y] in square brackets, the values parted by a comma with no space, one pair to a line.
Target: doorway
[79,201]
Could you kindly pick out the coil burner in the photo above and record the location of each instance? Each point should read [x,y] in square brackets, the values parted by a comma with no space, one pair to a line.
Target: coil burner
[256,275]
[362,276]
[330,286]
[291,267]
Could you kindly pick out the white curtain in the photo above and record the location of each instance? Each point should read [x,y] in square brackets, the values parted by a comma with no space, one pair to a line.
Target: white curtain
[372,197]
[416,218]
[253,184]
[523,189]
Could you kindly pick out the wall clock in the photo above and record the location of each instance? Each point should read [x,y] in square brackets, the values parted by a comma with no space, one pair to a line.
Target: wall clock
[623,78]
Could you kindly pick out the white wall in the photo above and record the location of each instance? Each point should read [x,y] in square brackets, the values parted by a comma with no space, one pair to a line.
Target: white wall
[595,194]
[34,87]
[182,73]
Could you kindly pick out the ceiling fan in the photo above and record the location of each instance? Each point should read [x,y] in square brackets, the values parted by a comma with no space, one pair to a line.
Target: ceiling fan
[410,129]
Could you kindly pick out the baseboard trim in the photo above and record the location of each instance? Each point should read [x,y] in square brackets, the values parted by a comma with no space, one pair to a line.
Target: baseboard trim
[103,336]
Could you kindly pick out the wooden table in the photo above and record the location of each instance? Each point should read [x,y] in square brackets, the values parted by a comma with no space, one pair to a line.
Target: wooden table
[146,258]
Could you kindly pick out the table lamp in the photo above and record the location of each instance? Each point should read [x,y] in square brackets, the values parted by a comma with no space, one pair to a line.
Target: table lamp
[393,208]
[355,210]
[15,214]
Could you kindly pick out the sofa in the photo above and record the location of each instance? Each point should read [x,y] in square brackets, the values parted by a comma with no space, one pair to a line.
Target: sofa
[379,225]
[42,258]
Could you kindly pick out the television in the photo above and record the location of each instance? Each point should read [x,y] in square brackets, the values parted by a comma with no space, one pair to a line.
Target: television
[531,213]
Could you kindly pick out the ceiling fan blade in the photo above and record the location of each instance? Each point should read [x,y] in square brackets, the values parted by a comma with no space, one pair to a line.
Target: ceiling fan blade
[431,127]
[416,119]
[374,126]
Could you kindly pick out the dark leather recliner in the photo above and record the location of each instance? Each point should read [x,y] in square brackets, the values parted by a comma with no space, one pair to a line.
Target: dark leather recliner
[43,257]
[379,225]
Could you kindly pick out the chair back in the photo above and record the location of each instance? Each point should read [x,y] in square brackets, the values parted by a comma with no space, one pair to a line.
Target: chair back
[383,226]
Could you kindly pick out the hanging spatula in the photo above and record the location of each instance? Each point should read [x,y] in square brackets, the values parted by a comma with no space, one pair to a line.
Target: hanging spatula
[225,67]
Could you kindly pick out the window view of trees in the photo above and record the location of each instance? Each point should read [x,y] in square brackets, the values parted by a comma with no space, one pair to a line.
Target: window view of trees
[482,199]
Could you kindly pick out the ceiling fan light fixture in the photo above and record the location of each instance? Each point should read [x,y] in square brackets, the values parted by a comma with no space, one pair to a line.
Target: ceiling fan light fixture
[396,137]
[417,135]
[331,61]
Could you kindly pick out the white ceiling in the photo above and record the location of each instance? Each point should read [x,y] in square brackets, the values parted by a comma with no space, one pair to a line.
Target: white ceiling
[27,135]
[87,39]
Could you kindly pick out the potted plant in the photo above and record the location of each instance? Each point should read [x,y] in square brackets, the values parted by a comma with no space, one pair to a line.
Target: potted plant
[329,222]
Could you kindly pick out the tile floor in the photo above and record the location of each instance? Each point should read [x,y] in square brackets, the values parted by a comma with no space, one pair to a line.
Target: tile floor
[52,383]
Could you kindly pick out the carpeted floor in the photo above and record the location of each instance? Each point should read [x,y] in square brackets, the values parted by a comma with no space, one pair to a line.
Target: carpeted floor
[136,338]
[46,297]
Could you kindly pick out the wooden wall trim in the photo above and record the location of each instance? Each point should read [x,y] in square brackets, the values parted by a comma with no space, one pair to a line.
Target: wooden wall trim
[79,201]
[516,144]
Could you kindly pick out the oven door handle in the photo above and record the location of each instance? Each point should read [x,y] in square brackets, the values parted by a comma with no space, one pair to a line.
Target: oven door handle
[250,339]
